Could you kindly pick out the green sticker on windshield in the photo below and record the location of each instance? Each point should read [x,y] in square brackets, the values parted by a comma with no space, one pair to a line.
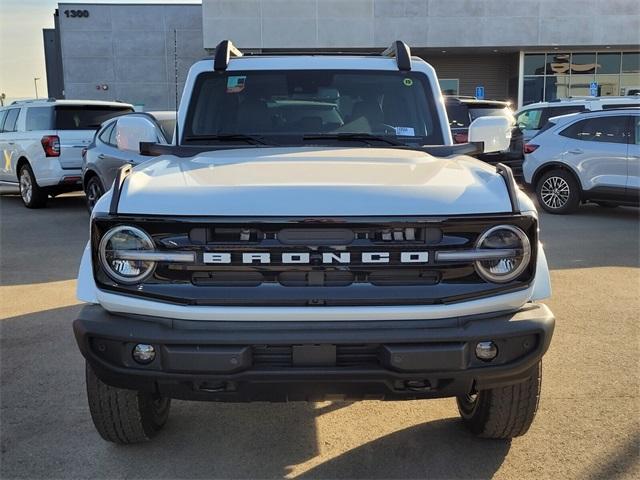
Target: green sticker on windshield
[407,82]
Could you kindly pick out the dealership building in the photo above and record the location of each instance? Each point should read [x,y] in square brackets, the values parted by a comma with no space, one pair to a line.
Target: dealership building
[520,50]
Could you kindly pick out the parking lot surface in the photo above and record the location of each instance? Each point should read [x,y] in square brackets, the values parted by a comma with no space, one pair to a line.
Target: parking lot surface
[588,423]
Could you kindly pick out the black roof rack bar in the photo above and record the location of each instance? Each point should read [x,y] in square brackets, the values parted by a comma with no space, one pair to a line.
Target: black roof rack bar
[402,53]
[224,51]
[512,186]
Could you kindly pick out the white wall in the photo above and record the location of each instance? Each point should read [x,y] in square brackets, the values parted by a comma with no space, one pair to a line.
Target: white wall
[421,23]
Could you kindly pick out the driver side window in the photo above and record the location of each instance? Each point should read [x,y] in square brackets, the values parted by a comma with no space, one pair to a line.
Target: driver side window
[105,135]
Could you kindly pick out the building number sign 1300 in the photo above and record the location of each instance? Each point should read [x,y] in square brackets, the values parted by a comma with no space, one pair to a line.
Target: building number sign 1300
[76,13]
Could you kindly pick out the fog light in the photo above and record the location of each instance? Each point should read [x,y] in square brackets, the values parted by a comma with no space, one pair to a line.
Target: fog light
[143,353]
[486,351]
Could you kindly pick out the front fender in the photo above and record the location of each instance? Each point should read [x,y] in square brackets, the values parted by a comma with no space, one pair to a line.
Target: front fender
[86,285]
[542,280]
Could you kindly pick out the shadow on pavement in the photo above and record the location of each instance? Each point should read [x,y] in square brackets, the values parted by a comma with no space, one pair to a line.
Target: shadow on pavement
[621,463]
[42,245]
[438,449]
[47,431]
[592,237]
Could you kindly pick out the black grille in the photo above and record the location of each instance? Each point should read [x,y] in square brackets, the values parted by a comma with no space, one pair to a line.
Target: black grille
[315,282]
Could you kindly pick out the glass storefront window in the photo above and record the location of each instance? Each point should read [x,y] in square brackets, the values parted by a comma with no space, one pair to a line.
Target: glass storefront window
[558,63]
[449,86]
[552,75]
[608,85]
[534,64]
[533,90]
[581,85]
[630,84]
[582,63]
[556,87]
[631,62]
[608,63]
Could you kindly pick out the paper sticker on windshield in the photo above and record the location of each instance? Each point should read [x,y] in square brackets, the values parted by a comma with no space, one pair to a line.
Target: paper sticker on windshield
[235,84]
[407,82]
[405,132]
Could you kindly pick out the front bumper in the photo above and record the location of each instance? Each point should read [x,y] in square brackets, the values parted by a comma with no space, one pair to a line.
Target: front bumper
[347,360]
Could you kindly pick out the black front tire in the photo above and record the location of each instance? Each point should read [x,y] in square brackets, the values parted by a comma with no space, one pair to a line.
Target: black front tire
[93,191]
[125,416]
[33,196]
[505,412]
[558,192]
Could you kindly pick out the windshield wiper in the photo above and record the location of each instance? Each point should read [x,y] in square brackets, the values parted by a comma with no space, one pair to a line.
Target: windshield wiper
[229,137]
[358,137]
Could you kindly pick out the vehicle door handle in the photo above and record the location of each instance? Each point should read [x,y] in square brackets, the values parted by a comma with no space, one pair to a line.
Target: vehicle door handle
[576,151]
[11,143]
[101,156]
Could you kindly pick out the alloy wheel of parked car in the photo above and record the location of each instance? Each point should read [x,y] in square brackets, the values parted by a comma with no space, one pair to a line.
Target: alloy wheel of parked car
[33,196]
[558,192]
[93,192]
[555,192]
[26,187]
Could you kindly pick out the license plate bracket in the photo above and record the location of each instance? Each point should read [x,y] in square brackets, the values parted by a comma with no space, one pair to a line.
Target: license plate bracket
[314,355]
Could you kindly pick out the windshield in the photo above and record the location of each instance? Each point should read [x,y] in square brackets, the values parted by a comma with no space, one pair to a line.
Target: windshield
[292,105]
[458,115]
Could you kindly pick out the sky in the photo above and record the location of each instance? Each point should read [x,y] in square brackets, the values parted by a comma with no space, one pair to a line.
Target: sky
[21,45]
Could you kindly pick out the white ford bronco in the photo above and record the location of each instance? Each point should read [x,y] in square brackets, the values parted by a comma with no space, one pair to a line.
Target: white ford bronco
[312,233]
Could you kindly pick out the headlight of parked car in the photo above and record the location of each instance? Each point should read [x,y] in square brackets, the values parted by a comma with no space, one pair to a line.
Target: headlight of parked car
[511,249]
[126,254]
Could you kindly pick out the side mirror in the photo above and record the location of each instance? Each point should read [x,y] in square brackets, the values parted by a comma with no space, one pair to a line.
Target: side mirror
[493,132]
[131,130]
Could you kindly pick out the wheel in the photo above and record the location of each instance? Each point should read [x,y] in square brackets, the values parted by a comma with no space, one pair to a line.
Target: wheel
[607,204]
[558,192]
[33,196]
[93,192]
[504,412]
[125,416]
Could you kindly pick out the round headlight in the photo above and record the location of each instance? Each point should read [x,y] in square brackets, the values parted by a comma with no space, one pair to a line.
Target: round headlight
[113,250]
[503,269]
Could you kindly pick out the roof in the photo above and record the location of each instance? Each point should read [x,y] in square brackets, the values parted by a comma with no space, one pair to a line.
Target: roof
[53,101]
[583,100]
[309,62]
[595,113]
[477,103]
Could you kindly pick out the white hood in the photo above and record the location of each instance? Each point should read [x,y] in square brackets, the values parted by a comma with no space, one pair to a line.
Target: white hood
[314,182]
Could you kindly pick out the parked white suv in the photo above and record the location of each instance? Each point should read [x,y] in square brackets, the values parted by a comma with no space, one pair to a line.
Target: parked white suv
[531,118]
[589,156]
[42,143]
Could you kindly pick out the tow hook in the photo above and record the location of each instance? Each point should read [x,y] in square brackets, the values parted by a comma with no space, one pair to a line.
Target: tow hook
[418,385]
[212,387]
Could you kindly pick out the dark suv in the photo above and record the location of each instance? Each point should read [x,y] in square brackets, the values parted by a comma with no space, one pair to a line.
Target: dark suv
[464,110]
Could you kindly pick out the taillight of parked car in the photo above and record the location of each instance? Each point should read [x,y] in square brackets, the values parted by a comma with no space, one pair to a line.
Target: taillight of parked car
[51,145]
[461,137]
[530,147]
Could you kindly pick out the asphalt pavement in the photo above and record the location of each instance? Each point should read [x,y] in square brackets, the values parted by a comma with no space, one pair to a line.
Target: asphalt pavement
[588,423]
